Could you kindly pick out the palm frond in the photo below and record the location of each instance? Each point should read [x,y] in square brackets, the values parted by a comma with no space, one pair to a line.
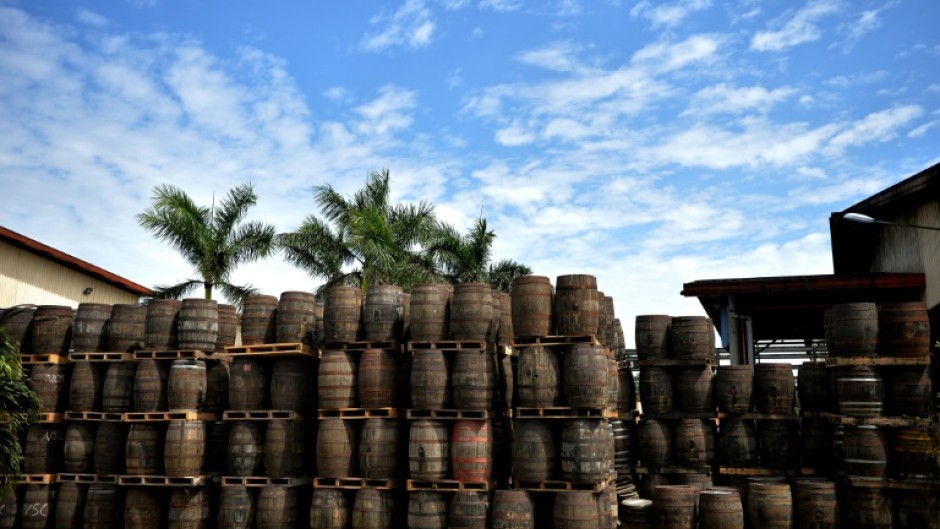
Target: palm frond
[501,274]
[178,291]
[315,249]
[175,219]
[250,241]
[332,205]
[233,209]
[236,293]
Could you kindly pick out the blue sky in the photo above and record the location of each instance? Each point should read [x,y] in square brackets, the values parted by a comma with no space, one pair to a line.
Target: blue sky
[648,143]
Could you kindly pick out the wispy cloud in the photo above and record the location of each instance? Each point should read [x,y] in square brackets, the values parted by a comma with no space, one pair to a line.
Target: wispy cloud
[797,28]
[502,6]
[668,15]
[86,16]
[411,25]
[875,127]
[866,22]
[859,79]
[726,99]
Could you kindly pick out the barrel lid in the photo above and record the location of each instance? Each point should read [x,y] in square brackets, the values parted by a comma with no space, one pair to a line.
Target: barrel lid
[637,503]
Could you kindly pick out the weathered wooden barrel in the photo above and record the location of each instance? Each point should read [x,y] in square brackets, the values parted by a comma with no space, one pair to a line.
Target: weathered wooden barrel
[382,313]
[103,507]
[774,388]
[217,381]
[814,387]
[915,453]
[51,383]
[652,336]
[903,329]
[496,314]
[127,327]
[838,433]
[816,443]
[217,433]
[10,510]
[228,327]
[329,509]
[770,505]
[656,390]
[85,386]
[430,312]
[468,510]
[505,385]
[247,384]
[51,330]
[143,452]
[430,380]
[38,506]
[691,338]
[908,391]
[188,508]
[429,450]
[656,443]
[606,517]
[694,443]
[291,384]
[18,321]
[720,509]
[636,513]
[606,322]
[237,506]
[296,316]
[626,391]
[186,385]
[859,391]
[737,444]
[539,378]
[377,371]
[623,445]
[246,448]
[865,452]
[779,443]
[471,311]
[512,509]
[150,385]
[277,507]
[575,510]
[161,324]
[532,306]
[79,448]
[506,333]
[816,505]
[674,506]
[90,327]
[693,390]
[70,505]
[378,449]
[110,441]
[918,509]
[613,381]
[336,380]
[427,510]
[283,448]
[342,314]
[117,391]
[372,509]
[471,450]
[854,330]
[867,509]
[336,448]
[184,450]
[584,450]
[143,508]
[584,376]
[198,324]
[534,454]
[42,451]
[577,304]
[259,319]
[733,388]
[405,316]
[473,379]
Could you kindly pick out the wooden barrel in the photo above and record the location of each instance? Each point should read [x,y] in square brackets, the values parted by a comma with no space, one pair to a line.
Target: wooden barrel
[867,509]
[733,388]
[10,510]
[42,451]
[79,448]
[916,453]
[814,387]
[277,507]
[720,509]
[85,386]
[228,327]
[859,391]
[816,443]
[918,509]
[127,327]
[430,380]
[693,390]
[506,333]
[217,434]
[737,444]
[336,380]
[674,506]
[329,509]
[471,311]
[513,509]
[779,443]
[51,383]
[117,392]
[184,450]
[90,327]
[539,377]
[854,329]
[382,313]
[577,304]
[52,329]
[636,513]
[70,505]
[908,391]
[774,388]
[296,316]
[769,505]
[283,448]
[473,379]
[237,506]
[246,448]
[652,336]
[259,319]
[291,384]
[103,507]
[534,454]
[606,321]
[372,509]
[143,508]
[37,508]
[584,450]
[110,441]
[623,445]
[468,510]
[378,449]
[429,450]
[694,443]
[865,452]
[584,376]
[143,454]
[336,448]
[198,324]
[18,321]
[471,450]
[626,391]
[656,443]
[217,380]
[188,508]
[575,510]
[815,503]
[430,312]
[656,390]
[161,323]
[427,510]
[903,329]
[692,338]
[186,385]
[342,314]
[532,306]
[247,384]
[150,381]
[377,371]
[613,382]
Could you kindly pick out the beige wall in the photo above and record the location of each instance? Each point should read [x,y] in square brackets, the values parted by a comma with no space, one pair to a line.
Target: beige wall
[26,278]
[913,250]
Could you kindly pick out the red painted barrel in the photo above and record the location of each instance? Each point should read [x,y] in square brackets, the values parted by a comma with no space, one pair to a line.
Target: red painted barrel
[903,329]
[246,448]
[52,329]
[336,448]
[184,451]
[468,510]
[471,311]
[377,371]
[532,306]
[143,508]
[427,510]
[584,376]
[342,314]
[733,388]
[247,385]
[259,319]
[656,390]
[854,329]
[534,453]
[70,505]
[430,380]
[774,388]
[161,324]
[143,452]
[692,338]
[652,336]
[186,385]
[372,509]
[117,392]
[770,505]
[693,390]
[330,509]
[430,312]
[79,448]
[198,324]
[110,441]
[473,379]
[291,384]
[127,327]
[228,327]
[539,378]
[575,510]
[577,304]
[296,316]
[150,381]
[429,450]
[382,313]
[51,383]
[283,448]
[336,380]
[90,327]
[471,450]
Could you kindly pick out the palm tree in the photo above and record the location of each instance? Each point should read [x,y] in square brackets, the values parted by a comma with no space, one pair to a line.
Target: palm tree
[363,239]
[466,258]
[215,240]
[19,406]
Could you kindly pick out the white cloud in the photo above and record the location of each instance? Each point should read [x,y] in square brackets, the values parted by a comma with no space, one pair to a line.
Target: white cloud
[337,94]
[501,6]
[514,135]
[668,15]
[86,16]
[798,29]
[411,25]
[666,56]
[921,130]
[389,112]
[724,98]
[560,57]
[875,127]
[858,79]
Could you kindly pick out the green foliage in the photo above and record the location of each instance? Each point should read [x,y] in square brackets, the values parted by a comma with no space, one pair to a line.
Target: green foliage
[467,258]
[19,406]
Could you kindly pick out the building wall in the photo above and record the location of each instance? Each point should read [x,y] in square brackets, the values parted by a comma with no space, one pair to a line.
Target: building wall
[26,278]
[902,249]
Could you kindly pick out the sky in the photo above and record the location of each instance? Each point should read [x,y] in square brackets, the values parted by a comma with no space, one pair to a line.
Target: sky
[649,143]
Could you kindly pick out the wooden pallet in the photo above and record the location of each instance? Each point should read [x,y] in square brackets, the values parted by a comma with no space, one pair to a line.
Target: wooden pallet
[532,341]
[890,422]
[640,470]
[271,350]
[264,481]
[38,479]
[51,417]
[163,416]
[388,345]
[893,484]
[171,354]
[759,416]
[445,485]
[449,414]
[452,345]
[101,357]
[878,361]
[88,478]
[98,416]
[164,481]
[563,412]
[763,471]
[353,483]
[677,415]
[676,362]
[358,413]
[261,415]
[561,485]
[44,359]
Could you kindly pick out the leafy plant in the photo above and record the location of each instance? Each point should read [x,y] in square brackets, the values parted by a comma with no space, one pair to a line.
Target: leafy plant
[19,407]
